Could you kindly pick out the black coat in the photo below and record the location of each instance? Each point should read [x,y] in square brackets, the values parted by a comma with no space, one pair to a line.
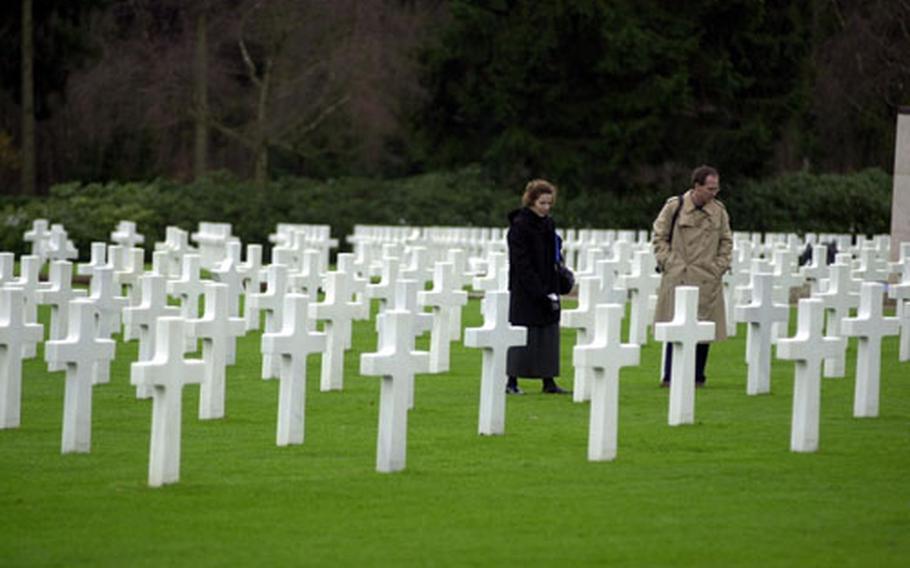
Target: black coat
[532,268]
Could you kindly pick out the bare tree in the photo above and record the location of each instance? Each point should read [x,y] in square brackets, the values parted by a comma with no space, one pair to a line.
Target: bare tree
[253,86]
[288,53]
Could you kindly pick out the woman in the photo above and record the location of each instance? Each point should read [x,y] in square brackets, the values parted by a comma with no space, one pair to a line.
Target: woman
[534,288]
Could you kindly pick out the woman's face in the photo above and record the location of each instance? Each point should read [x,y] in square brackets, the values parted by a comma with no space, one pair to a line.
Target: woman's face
[543,204]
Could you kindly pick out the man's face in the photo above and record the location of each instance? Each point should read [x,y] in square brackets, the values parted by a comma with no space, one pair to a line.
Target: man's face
[704,193]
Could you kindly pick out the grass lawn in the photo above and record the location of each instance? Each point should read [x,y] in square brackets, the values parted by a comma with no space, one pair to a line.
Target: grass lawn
[725,491]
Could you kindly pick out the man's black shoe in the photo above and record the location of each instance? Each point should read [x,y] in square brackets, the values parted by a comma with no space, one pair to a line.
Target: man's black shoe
[513,390]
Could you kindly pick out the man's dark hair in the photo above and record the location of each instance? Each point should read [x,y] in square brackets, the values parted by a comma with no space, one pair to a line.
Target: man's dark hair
[701,173]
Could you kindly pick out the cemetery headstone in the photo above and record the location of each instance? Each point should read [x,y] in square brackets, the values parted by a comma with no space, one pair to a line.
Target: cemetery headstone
[869,326]
[760,314]
[338,312]
[167,372]
[495,337]
[290,346]
[809,347]
[16,334]
[396,362]
[80,352]
[217,330]
[837,300]
[684,332]
[271,301]
[605,356]
[443,298]
[142,319]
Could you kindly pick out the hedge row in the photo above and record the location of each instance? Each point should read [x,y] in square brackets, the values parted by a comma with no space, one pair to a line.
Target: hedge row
[801,202]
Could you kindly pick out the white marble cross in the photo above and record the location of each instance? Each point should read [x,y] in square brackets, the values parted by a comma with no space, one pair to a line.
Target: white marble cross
[642,282]
[588,261]
[227,272]
[59,247]
[337,311]
[808,348]
[15,335]
[98,260]
[760,314]
[358,284]
[103,293]
[251,271]
[176,245]
[406,299]
[582,318]
[837,300]
[684,332]
[459,262]
[396,362]
[142,319]
[7,261]
[160,264]
[167,372]
[744,293]
[869,326]
[817,269]
[38,235]
[611,292]
[734,280]
[271,301]
[127,276]
[419,266]
[621,259]
[291,345]
[384,290]
[495,338]
[58,295]
[490,280]
[29,281]
[126,235]
[309,279]
[872,268]
[80,352]
[109,309]
[900,292]
[188,288]
[217,330]
[785,278]
[605,356]
[443,298]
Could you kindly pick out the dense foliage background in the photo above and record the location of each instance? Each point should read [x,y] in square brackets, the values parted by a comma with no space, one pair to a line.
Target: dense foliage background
[614,100]
[801,202]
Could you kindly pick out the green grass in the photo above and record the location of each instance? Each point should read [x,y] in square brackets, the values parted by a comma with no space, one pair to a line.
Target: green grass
[725,491]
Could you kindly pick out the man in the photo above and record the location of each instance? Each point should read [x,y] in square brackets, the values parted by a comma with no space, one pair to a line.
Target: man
[693,245]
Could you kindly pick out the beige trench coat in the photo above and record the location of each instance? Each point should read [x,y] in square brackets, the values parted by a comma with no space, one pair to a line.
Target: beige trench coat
[699,255]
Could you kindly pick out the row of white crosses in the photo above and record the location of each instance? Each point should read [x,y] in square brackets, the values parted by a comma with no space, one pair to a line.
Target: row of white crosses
[766,308]
[104,295]
[50,243]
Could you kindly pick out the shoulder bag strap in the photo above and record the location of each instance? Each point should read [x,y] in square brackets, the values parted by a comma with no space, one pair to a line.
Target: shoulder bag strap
[675,217]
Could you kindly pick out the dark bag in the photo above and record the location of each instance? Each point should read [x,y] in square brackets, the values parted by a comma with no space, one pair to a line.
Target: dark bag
[673,225]
[565,279]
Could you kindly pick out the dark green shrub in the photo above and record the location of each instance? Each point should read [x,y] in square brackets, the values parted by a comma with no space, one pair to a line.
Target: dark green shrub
[799,202]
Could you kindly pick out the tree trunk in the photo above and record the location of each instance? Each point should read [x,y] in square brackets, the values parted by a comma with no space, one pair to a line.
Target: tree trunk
[261,174]
[200,96]
[28,101]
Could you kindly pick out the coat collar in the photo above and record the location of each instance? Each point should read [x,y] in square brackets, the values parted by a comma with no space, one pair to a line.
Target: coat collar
[711,208]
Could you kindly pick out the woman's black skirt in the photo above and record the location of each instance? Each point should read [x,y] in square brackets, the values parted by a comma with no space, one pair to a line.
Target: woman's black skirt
[539,358]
